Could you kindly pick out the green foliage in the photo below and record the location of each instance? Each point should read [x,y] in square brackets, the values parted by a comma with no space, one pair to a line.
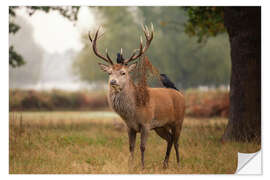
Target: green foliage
[69,12]
[172,51]
[204,22]
[15,59]
[13,28]
[188,63]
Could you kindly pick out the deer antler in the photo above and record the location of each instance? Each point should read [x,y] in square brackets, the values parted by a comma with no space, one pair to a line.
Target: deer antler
[94,45]
[149,37]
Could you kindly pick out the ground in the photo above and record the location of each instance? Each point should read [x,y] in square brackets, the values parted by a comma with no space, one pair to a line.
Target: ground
[97,142]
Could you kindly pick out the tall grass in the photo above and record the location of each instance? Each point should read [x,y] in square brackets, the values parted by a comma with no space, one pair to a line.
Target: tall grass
[76,142]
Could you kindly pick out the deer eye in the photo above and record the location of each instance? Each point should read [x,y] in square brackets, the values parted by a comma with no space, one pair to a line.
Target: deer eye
[122,73]
[109,73]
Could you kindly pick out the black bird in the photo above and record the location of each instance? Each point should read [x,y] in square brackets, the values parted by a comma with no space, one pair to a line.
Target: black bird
[167,82]
[119,59]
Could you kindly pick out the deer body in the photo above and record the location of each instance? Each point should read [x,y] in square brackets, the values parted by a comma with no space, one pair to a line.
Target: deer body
[165,107]
[163,110]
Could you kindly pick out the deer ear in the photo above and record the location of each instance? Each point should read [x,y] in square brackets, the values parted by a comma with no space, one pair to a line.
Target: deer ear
[132,67]
[104,67]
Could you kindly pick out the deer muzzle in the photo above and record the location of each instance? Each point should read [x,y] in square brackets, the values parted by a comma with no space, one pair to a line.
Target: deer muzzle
[113,82]
[115,86]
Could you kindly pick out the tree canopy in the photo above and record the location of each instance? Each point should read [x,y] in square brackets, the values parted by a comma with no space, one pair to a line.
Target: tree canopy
[182,58]
[204,22]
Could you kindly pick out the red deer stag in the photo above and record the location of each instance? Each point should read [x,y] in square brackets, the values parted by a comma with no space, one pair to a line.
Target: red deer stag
[163,112]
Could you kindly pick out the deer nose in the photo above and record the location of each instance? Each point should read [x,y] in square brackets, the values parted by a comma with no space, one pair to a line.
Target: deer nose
[113,82]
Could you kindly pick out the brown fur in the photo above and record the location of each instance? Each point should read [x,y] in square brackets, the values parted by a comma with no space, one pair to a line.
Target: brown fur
[143,71]
[144,109]
[141,91]
[141,95]
[117,67]
[163,111]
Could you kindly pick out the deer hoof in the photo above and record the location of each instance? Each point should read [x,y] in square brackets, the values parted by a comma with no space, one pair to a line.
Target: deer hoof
[165,165]
[142,166]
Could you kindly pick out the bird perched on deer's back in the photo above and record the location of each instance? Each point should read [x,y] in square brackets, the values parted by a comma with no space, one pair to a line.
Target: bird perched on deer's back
[167,82]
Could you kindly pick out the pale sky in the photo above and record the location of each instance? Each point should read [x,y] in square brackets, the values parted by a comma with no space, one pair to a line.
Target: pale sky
[56,33]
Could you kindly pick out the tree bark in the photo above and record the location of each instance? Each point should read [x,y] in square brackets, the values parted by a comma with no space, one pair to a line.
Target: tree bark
[244,28]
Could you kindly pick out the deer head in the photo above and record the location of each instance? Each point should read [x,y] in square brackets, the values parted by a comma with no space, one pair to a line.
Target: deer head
[119,73]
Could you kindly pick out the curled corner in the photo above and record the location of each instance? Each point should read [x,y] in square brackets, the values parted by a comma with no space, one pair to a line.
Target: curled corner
[249,163]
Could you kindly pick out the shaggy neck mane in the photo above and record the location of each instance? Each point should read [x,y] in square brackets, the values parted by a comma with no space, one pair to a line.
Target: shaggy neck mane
[141,93]
[131,97]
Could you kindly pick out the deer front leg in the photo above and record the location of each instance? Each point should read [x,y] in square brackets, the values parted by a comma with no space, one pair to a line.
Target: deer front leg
[144,135]
[132,140]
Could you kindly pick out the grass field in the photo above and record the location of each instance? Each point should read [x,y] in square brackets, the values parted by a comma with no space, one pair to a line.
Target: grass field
[97,142]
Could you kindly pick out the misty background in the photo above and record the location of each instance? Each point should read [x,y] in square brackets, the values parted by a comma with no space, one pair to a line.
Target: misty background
[58,54]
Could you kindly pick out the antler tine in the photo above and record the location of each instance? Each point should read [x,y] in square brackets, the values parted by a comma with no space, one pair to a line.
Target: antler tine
[141,46]
[147,30]
[152,27]
[101,36]
[94,45]
[134,56]
[89,36]
[107,55]
[144,31]
[121,54]
[149,37]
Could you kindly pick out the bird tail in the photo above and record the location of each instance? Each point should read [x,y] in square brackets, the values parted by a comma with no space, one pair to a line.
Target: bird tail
[167,82]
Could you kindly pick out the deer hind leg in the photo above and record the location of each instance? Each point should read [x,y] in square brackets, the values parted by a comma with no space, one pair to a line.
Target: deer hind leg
[165,134]
[176,134]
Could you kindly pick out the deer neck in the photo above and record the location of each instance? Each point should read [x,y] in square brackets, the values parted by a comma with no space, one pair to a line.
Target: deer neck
[123,102]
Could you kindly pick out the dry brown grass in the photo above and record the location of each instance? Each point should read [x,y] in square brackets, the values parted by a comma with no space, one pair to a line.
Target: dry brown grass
[82,143]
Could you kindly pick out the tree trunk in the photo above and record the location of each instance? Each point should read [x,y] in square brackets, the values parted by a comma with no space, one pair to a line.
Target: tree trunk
[244,28]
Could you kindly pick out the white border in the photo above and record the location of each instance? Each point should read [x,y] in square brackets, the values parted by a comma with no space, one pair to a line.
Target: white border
[4,94]
[139,2]
[4,71]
